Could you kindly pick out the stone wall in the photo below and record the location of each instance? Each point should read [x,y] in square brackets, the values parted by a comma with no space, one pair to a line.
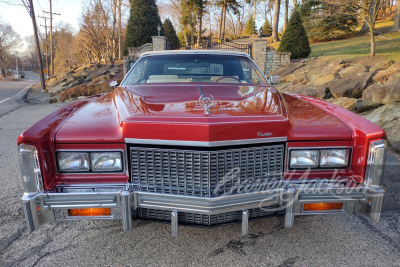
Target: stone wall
[135,53]
[267,58]
[275,60]
[264,56]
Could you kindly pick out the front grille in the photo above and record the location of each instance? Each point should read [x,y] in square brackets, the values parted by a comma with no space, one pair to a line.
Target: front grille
[202,219]
[201,173]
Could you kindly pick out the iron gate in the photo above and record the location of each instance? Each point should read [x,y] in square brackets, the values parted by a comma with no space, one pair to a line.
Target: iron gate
[211,44]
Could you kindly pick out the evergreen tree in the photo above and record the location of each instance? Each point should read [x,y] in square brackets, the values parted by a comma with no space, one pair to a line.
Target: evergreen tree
[267,28]
[250,27]
[170,32]
[295,38]
[142,24]
[325,21]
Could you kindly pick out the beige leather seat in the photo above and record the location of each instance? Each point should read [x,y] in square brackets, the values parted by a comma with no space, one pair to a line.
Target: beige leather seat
[164,79]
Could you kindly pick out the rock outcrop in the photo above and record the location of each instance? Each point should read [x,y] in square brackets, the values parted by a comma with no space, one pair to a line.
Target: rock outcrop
[388,117]
[86,80]
[373,91]
[351,86]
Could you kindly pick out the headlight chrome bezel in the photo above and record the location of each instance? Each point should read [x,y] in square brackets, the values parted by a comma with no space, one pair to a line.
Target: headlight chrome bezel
[90,170]
[320,153]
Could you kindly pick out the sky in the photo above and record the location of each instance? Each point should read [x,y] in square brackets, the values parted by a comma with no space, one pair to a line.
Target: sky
[17,16]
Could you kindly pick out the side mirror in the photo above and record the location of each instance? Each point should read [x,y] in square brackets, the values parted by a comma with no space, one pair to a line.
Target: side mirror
[131,63]
[274,79]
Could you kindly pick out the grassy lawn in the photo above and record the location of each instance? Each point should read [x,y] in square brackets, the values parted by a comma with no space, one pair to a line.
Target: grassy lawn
[387,47]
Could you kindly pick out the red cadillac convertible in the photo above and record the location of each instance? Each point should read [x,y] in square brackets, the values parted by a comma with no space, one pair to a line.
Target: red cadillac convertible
[199,138]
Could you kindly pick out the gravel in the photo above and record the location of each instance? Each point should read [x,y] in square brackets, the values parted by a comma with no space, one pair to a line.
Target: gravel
[330,240]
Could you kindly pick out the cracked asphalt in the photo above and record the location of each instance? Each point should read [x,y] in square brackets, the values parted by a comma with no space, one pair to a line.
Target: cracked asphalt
[330,240]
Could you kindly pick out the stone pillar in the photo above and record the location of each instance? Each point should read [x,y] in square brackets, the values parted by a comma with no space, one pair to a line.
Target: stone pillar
[127,59]
[159,43]
[260,53]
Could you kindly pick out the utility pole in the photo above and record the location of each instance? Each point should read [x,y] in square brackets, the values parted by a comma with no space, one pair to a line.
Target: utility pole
[119,30]
[47,43]
[51,36]
[39,55]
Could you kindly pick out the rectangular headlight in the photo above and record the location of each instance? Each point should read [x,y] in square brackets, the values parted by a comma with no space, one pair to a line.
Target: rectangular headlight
[73,161]
[304,159]
[334,158]
[106,161]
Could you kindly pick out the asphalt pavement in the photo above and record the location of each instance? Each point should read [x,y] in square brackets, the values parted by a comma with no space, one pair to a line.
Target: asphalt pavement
[330,240]
[12,93]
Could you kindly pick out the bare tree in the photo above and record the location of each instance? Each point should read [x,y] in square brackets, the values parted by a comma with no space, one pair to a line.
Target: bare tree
[97,39]
[65,40]
[275,27]
[30,53]
[9,40]
[367,12]
[236,21]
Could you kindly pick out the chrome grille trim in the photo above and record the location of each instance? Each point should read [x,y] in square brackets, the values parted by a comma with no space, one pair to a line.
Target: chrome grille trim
[198,172]
[205,144]
[202,219]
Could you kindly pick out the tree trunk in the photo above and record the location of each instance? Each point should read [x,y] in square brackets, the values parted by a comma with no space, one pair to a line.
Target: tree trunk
[372,29]
[285,21]
[223,22]
[199,29]
[275,37]
[220,22]
[396,26]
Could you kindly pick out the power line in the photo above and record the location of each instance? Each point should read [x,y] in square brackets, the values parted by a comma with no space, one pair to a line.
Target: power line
[10,3]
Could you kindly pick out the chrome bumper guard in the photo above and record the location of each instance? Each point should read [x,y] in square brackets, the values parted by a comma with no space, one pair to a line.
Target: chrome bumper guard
[47,207]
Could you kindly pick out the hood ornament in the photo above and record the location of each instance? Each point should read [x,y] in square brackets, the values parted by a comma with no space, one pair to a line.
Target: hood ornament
[205,101]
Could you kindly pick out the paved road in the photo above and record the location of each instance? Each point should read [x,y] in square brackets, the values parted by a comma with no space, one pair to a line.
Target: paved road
[12,93]
[332,240]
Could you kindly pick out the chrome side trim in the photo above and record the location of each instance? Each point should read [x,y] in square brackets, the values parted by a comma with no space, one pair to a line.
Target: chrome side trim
[245,222]
[174,224]
[126,211]
[376,205]
[289,216]
[204,144]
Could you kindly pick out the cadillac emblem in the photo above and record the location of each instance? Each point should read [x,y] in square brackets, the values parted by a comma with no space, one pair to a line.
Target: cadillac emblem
[206,102]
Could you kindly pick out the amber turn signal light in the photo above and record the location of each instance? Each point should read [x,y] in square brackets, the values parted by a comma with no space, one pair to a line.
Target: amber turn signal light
[89,212]
[323,206]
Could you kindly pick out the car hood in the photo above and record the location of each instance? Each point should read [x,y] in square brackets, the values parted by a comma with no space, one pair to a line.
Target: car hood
[173,112]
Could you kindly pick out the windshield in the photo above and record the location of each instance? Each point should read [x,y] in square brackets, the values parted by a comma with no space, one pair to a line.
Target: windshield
[194,68]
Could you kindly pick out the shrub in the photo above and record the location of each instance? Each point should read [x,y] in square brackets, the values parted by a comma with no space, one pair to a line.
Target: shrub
[170,32]
[250,27]
[267,28]
[295,38]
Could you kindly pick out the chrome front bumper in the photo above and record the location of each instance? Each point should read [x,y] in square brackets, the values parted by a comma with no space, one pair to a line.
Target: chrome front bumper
[47,207]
